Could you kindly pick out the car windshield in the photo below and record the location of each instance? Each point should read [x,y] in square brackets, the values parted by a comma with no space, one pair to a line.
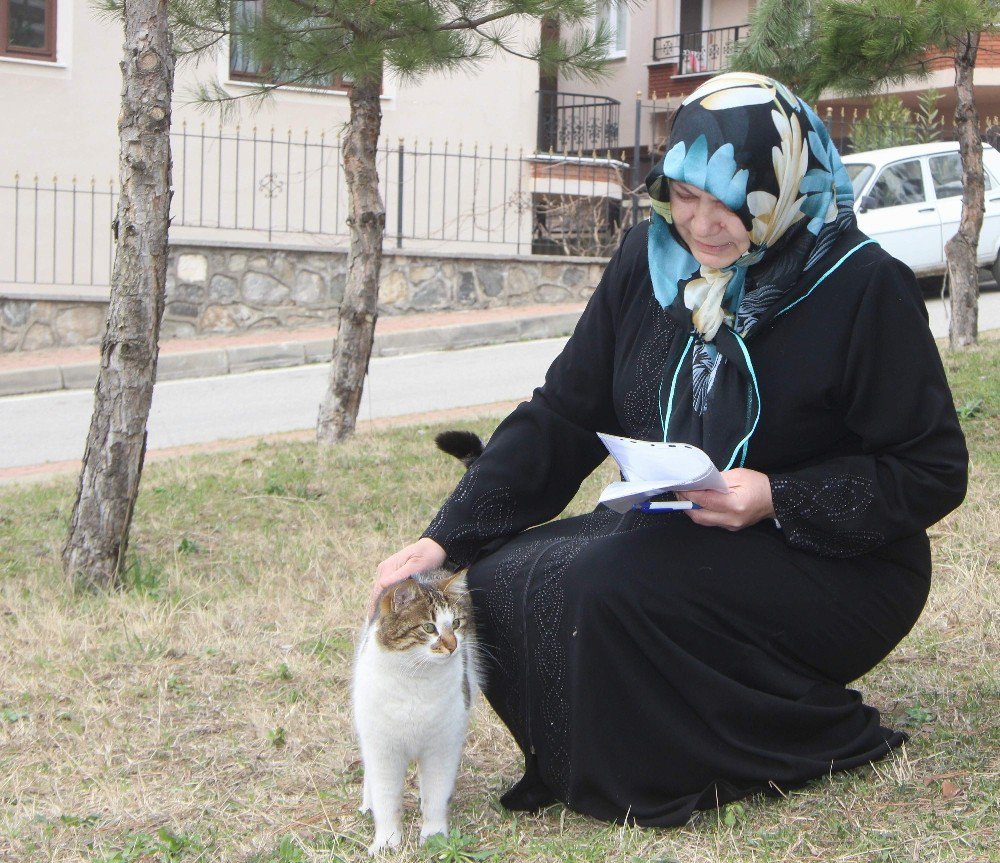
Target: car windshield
[859,174]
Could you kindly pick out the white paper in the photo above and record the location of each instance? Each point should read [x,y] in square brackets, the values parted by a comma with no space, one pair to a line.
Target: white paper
[652,468]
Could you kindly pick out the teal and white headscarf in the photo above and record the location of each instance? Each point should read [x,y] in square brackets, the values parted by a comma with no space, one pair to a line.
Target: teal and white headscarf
[748,141]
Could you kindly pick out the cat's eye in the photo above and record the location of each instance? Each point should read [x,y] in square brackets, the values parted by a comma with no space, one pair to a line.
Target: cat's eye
[430,627]
[456,623]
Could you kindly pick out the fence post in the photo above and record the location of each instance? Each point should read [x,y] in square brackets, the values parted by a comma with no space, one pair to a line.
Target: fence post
[635,157]
[399,199]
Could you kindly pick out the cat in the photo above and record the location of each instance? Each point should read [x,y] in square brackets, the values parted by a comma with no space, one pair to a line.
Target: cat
[414,681]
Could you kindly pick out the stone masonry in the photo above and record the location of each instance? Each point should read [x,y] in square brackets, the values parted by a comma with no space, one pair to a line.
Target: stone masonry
[226,289]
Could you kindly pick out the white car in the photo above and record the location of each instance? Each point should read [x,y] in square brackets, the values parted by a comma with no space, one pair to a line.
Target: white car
[909,199]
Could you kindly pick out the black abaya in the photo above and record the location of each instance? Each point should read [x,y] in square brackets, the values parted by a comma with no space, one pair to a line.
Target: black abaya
[648,666]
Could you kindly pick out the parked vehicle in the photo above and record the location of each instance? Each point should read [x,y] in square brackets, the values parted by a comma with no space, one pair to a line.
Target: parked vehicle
[909,199]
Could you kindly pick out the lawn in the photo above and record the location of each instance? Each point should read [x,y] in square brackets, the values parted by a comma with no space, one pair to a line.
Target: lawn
[202,713]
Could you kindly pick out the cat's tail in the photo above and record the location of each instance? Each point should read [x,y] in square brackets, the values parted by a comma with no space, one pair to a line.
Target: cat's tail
[466,446]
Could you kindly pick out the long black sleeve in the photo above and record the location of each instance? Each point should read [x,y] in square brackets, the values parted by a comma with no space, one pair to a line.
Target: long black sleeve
[538,456]
[911,463]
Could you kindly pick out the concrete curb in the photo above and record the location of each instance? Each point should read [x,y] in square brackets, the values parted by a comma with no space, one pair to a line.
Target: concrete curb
[245,358]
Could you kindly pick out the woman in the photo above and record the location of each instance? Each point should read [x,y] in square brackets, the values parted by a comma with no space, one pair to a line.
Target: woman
[652,664]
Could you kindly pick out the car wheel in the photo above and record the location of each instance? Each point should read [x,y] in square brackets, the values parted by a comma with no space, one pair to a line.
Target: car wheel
[996,269]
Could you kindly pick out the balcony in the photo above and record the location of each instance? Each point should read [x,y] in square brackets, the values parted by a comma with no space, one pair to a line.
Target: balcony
[576,122]
[704,52]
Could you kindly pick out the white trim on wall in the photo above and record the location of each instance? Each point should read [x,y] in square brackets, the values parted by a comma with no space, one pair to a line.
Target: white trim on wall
[64,43]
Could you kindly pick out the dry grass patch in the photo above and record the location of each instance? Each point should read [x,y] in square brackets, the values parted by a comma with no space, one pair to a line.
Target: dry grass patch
[202,714]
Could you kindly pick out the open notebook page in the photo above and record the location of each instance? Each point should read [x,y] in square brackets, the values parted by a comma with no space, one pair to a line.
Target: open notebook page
[651,468]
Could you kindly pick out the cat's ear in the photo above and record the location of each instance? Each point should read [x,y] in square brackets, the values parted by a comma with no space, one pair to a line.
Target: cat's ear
[452,582]
[400,595]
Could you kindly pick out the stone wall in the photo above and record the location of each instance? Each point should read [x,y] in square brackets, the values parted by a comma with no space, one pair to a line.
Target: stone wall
[229,288]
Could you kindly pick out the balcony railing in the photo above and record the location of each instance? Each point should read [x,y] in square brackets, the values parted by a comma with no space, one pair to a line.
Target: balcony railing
[704,51]
[576,122]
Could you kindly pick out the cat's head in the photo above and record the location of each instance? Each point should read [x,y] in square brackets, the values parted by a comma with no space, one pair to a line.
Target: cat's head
[431,615]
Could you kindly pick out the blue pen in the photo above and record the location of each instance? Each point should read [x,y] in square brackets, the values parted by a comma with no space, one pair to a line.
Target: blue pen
[665,505]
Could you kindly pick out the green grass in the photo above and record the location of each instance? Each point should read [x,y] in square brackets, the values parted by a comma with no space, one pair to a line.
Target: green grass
[201,714]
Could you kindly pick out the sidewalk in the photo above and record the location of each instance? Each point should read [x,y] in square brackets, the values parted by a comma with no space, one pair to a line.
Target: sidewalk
[76,368]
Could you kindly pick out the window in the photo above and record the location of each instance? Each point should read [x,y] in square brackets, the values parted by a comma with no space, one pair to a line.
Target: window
[898,184]
[946,174]
[242,66]
[859,175]
[28,29]
[613,14]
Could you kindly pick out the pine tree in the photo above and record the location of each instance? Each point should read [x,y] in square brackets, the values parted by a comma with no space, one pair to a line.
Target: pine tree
[94,553]
[858,47]
[361,41]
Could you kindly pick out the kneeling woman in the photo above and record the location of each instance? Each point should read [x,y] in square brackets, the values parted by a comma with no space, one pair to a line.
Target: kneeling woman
[652,664]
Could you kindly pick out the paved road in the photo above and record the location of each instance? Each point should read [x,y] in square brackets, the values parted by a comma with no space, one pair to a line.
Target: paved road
[53,426]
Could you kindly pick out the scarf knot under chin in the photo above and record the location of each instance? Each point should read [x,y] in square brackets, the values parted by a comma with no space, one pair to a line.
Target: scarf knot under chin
[746,140]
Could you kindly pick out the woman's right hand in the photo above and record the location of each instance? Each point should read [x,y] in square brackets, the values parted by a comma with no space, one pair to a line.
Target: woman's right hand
[422,556]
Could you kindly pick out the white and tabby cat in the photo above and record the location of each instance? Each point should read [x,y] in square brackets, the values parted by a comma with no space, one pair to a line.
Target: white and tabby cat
[414,680]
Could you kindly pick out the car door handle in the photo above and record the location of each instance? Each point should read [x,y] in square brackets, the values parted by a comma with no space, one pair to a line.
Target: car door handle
[926,210]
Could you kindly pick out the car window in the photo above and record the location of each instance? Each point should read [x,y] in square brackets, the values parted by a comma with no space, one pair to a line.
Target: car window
[946,174]
[859,174]
[901,183]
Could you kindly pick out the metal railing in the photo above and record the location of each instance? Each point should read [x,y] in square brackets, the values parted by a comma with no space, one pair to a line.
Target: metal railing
[576,122]
[232,185]
[56,235]
[235,186]
[700,52]
[294,188]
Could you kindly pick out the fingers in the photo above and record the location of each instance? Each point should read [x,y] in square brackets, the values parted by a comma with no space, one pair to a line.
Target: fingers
[420,556]
[729,511]
[394,569]
[710,518]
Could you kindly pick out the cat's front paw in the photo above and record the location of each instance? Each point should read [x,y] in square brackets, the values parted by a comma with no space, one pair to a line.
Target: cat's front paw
[384,844]
[432,828]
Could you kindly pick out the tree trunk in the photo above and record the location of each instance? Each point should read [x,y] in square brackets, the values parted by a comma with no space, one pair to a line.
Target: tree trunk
[116,443]
[961,250]
[352,350]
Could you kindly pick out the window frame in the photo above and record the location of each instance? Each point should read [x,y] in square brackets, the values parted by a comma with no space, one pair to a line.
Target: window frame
[340,85]
[614,13]
[46,54]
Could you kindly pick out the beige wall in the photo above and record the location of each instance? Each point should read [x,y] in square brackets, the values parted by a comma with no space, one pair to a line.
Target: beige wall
[61,118]
[728,13]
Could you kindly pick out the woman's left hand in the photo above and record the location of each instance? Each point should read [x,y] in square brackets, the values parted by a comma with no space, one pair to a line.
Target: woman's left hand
[748,501]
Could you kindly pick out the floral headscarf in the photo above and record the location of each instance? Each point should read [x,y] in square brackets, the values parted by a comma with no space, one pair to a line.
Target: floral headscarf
[748,141]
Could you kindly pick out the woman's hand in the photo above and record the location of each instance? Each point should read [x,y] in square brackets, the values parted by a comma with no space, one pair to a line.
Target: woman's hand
[748,501]
[421,556]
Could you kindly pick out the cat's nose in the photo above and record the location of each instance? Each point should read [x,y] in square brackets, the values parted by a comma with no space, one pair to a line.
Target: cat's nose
[448,640]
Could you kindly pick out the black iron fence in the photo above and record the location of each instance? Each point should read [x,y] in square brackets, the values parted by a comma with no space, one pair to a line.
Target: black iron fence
[56,235]
[701,51]
[244,186]
[286,188]
[231,185]
[574,122]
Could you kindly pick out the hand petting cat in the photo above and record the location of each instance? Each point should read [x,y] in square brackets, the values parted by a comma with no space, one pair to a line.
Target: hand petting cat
[423,555]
